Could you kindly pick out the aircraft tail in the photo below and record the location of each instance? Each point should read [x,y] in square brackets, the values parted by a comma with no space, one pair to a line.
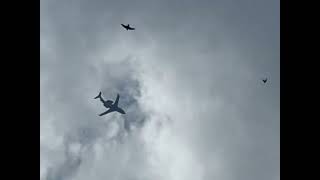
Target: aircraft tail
[99,96]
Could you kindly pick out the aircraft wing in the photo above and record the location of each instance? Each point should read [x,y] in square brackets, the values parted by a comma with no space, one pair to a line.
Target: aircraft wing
[117,100]
[108,111]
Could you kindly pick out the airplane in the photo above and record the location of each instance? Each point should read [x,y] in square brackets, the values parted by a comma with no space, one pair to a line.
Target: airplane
[264,80]
[113,107]
[127,27]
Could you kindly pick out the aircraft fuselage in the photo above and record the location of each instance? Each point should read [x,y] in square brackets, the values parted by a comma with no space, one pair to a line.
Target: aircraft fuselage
[108,103]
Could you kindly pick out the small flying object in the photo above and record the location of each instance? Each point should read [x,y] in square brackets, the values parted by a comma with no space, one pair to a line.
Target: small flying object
[109,104]
[127,27]
[264,80]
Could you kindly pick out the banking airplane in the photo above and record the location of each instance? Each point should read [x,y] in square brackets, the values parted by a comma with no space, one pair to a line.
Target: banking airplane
[109,104]
[128,27]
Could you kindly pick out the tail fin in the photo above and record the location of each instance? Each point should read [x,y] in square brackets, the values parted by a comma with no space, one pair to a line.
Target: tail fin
[98,95]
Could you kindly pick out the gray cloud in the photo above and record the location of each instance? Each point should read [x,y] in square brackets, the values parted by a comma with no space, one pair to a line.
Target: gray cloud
[189,80]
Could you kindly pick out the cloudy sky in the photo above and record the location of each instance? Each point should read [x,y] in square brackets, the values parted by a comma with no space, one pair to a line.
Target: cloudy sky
[189,78]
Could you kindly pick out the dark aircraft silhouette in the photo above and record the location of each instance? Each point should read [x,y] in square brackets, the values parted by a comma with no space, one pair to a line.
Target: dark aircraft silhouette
[127,27]
[109,104]
[264,80]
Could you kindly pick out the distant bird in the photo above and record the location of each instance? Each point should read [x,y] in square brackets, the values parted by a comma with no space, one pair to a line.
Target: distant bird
[127,27]
[264,80]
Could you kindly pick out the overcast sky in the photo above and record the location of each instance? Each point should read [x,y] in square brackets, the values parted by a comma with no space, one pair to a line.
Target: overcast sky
[189,79]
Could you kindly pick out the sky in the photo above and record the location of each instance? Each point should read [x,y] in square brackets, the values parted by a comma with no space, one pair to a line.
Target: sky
[189,79]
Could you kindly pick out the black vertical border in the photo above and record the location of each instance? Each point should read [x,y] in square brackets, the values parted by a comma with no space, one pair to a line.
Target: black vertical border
[20,96]
[298,77]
